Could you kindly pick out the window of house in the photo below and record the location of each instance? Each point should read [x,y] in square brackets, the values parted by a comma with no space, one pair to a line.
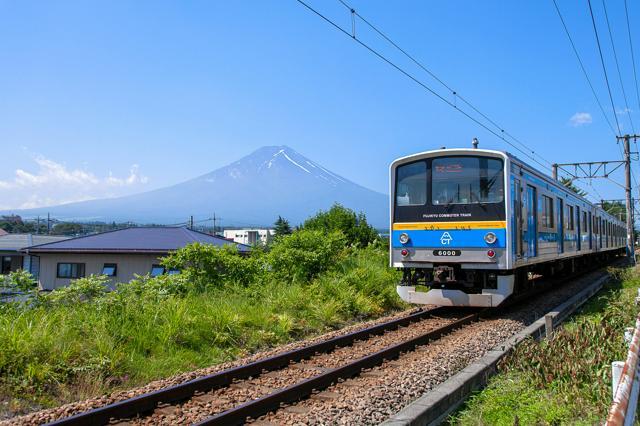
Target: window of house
[110,269]
[70,270]
[547,212]
[6,264]
[157,270]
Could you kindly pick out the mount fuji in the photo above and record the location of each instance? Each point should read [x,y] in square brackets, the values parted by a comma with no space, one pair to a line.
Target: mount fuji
[253,191]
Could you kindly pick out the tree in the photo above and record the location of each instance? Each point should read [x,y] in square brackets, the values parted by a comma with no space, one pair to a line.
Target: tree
[616,209]
[282,227]
[568,183]
[67,229]
[339,218]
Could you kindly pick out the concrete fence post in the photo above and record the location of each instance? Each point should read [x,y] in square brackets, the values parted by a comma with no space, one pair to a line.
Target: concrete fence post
[616,373]
[548,325]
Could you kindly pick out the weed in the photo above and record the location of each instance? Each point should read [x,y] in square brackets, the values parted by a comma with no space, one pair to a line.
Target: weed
[565,379]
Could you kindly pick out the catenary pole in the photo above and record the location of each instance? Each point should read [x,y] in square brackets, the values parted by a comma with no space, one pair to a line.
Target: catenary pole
[627,174]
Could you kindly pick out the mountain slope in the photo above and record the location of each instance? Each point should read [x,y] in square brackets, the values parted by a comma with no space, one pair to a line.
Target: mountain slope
[272,181]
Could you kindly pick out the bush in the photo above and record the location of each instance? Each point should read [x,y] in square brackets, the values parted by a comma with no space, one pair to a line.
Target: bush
[206,266]
[20,280]
[354,227]
[82,289]
[304,254]
[160,286]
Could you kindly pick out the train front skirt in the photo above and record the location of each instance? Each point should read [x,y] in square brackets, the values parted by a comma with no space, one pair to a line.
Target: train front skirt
[489,298]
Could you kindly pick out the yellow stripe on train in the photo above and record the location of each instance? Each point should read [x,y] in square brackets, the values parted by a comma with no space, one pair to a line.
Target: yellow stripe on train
[428,226]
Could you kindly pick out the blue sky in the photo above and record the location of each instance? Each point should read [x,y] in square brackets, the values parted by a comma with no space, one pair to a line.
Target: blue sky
[108,98]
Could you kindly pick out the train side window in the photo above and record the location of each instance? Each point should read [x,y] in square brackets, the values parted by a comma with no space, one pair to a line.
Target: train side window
[547,212]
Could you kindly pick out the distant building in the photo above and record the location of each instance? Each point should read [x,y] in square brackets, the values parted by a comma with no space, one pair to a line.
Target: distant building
[12,218]
[250,237]
[11,255]
[118,254]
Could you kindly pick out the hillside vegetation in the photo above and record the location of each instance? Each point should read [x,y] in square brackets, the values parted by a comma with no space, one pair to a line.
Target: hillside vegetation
[83,340]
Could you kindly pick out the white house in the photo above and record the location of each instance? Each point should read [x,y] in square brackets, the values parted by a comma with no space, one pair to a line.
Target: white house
[250,236]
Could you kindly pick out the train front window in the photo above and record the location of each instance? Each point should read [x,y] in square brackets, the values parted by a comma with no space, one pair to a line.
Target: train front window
[411,188]
[466,180]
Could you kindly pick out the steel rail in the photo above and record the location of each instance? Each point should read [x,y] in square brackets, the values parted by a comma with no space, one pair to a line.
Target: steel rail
[147,402]
[300,390]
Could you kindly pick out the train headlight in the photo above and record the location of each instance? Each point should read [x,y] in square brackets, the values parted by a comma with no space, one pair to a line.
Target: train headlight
[404,238]
[490,238]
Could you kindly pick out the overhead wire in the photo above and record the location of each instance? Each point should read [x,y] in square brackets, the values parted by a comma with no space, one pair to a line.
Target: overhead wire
[582,67]
[615,56]
[604,68]
[454,92]
[417,81]
[633,60]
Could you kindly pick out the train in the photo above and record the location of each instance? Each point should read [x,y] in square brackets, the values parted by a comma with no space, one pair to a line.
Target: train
[472,227]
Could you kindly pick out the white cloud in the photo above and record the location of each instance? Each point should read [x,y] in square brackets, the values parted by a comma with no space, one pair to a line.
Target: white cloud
[580,119]
[53,183]
[624,111]
[133,178]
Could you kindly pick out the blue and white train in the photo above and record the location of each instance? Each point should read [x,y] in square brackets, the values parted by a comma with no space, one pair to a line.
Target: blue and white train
[469,227]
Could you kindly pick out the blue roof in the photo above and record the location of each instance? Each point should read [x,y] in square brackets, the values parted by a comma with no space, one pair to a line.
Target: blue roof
[152,239]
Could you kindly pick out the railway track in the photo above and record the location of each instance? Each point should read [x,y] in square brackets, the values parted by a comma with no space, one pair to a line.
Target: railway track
[232,396]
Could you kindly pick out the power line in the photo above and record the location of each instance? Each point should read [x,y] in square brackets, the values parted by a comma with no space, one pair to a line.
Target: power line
[454,92]
[615,56]
[416,80]
[584,70]
[633,60]
[604,68]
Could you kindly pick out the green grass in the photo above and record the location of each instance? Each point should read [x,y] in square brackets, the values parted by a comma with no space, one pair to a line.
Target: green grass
[69,350]
[567,379]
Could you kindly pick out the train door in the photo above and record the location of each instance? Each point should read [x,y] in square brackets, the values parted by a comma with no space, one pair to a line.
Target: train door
[578,229]
[560,223]
[590,232]
[600,233]
[532,222]
[518,231]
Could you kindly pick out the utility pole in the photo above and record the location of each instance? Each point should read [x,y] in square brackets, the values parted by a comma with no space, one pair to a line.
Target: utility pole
[48,223]
[191,222]
[38,226]
[214,223]
[631,253]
